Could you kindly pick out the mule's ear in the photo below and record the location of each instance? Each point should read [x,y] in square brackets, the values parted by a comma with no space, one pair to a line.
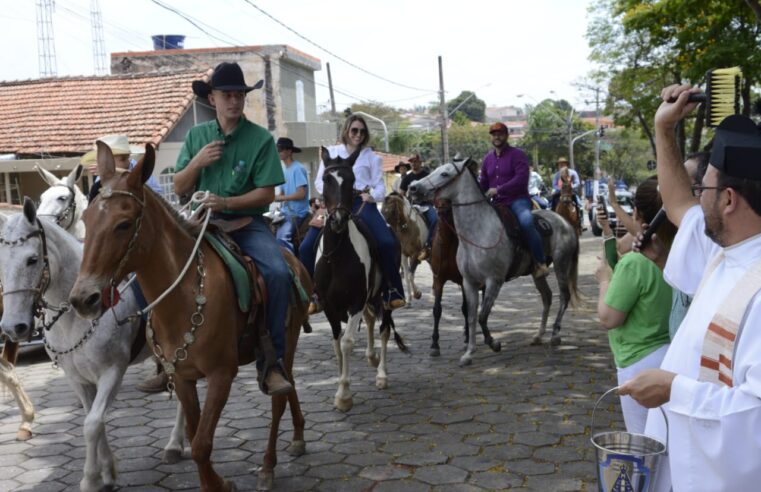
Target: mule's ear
[106,164]
[74,175]
[30,210]
[325,155]
[144,168]
[50,178]
[353,157]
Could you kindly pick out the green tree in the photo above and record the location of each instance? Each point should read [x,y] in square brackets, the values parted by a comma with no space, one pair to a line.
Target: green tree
[473,107]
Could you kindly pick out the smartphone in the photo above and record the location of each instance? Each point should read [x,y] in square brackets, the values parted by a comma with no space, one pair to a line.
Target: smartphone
[652,227]
[611,251]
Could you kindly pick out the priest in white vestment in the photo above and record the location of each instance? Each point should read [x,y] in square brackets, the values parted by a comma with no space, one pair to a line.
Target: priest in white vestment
[709,383]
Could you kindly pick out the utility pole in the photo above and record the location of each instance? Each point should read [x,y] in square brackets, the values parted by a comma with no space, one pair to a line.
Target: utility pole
[444,116]
[597,127]
[332,100]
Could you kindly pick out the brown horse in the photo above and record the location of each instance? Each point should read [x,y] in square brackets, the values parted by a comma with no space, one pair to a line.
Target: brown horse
[444,268]
[410,229]
[196,327]
[566,207]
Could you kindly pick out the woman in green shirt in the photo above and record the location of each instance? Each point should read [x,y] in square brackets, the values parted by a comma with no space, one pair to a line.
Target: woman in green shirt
[634,306]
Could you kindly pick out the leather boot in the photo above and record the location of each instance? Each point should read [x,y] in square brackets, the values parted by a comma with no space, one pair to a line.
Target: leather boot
[276,382]
[156,384]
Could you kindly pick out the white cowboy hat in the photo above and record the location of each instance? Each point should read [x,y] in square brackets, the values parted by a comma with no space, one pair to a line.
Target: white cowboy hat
[119,145]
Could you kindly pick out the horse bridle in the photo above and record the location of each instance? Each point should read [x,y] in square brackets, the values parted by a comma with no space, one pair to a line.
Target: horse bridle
[106,193]
[40,304]
[455,204]
[69,212]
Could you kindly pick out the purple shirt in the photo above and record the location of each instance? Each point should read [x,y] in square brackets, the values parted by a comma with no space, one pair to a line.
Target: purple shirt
[508,173]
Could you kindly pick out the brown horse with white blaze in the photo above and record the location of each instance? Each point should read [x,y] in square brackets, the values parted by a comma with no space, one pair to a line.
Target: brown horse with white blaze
[197,326]
[566,207]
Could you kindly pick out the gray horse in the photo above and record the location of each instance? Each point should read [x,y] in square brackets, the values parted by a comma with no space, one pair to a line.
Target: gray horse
[487,256]
[39,263]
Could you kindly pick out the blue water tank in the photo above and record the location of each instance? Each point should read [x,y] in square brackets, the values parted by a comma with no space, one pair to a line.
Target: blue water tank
[168,42]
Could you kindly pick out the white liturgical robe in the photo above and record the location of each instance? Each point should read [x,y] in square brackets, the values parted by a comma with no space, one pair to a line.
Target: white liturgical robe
[714,430]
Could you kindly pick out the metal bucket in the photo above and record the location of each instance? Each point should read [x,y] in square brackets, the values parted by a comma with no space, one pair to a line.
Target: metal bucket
[626,461]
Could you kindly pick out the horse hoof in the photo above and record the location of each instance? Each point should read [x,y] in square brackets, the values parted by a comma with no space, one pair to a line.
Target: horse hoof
[94,485]
[381,383]
[555,340]
[537,340]
[265,480]
[229,486]
[465,361]
[108,488]
[435,352]
[417,294]
[373,361]
[345,404]
[23,435]
[171,456]
[297,448]
[496,346]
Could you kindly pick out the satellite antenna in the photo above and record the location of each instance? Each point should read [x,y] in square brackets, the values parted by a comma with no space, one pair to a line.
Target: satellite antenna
[98,43]
[45,42]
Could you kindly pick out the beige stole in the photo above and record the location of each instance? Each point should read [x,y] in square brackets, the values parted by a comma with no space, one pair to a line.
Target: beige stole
[722,332]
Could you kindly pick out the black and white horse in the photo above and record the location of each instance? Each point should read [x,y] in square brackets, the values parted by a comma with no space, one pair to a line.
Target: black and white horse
[348,277]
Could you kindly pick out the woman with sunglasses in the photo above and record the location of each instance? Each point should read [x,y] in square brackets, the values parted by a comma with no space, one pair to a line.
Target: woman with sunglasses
[371,189]
[634,304]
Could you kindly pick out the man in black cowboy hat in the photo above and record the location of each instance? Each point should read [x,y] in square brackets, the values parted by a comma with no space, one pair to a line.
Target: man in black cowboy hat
[418,172]
[236,161]
[294,193]
[402,169]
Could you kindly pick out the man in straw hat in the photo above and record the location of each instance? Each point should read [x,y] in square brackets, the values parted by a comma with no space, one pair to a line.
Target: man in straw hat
[709,383]
[237,162]
[124,158]
[419,172]
[562,163]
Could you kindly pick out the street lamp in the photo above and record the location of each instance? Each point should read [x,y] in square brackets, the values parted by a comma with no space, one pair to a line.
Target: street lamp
[375,118]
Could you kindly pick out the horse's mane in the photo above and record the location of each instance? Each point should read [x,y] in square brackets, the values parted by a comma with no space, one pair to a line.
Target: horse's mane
[190,227]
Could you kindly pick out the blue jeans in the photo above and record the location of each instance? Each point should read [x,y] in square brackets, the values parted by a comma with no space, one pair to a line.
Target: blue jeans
[388,247]
[286,230]
[522,210]
[256,241]
[541,201]
[433,219]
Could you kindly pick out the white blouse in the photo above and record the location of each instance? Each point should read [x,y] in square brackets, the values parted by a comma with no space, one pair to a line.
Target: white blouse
[368,171]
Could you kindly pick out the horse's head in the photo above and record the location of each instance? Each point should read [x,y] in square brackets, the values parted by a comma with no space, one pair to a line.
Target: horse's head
[113,246]
[436,184]
[338,189]
[393,210]
[24,270]
[63,201]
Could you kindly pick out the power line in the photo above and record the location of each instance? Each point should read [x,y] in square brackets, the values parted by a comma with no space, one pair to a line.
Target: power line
[333,54]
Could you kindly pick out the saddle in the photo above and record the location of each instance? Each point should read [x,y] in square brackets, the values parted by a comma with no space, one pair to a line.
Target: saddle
[523,260]
[249,286]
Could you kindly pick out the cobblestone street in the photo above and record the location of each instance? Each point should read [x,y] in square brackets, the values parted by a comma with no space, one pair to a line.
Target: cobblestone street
[518,419]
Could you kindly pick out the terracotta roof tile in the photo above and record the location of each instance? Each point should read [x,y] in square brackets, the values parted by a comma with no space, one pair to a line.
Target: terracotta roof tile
[390,161]
[66,115]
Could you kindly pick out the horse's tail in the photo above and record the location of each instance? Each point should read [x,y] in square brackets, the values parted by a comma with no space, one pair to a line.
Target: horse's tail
[388,323]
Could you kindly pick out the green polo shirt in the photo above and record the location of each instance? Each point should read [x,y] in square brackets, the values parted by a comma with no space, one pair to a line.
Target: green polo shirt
[249,161]
[637,288]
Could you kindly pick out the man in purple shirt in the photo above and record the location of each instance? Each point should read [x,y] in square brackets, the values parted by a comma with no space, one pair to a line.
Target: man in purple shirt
[504,178]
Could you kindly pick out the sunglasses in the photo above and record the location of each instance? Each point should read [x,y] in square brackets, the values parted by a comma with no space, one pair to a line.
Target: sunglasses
[698,190]
[358,131]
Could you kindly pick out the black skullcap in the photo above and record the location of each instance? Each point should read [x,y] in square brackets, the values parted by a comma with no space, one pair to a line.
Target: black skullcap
[737,148]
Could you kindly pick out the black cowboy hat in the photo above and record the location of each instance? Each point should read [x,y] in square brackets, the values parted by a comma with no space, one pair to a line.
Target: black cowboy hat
[284,143]
[226,77]
[401,164]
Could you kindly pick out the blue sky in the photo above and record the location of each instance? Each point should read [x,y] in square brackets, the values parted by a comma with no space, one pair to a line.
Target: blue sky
[499,49]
